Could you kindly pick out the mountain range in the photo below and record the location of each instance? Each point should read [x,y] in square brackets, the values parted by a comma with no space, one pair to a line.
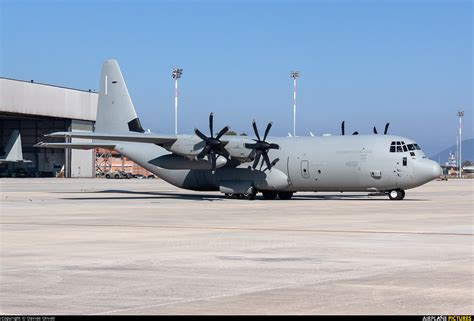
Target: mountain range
[467,152]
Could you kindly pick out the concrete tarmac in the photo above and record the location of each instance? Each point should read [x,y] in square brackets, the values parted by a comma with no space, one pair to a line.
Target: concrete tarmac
[97,246]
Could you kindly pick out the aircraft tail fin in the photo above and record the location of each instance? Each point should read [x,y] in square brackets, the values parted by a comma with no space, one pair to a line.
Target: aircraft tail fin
[115,110]
[13,151]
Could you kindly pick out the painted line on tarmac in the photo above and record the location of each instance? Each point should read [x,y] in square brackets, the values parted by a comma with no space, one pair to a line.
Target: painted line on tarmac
[240,229]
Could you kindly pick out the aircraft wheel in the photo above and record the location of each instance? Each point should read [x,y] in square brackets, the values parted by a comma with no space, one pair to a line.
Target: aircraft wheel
[285,195]
[250,196]
[269,195]
[232,196]
[396,194]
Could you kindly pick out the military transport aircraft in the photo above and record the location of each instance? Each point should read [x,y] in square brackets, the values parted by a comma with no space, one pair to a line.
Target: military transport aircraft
[13,151]
[241,167]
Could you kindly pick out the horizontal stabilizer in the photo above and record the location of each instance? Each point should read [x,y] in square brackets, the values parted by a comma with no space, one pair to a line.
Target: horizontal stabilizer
[75,145]
[126,137]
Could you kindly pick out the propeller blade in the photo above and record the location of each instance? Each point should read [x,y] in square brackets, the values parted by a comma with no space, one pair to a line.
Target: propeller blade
[211,124]
[355,133]
[343,128]
[267,130]
[251,146]
[385,132]
[375,130]
[201,135]
[213,161]
[274,146]
[267,160]
[222,132]
[254,125]
[204,152]
[257,159]
[222,151]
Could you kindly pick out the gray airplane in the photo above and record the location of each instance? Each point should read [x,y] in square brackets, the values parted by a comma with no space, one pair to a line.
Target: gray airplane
[13,150]
[242,167]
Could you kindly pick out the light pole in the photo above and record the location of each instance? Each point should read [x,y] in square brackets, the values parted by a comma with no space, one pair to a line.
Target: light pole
[176,74]
[294,75]
[460,115]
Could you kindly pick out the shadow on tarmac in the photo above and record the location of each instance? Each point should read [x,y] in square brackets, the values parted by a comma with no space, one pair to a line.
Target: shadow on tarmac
[217,197]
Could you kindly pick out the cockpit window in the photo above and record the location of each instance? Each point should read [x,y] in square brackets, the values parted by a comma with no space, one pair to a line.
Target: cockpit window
[401,147]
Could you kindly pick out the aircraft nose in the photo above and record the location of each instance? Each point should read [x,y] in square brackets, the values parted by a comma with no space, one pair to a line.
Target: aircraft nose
[427,170]
[437,170]
[433,170]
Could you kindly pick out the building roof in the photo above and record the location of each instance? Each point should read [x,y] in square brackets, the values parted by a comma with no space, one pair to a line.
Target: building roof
[30,98]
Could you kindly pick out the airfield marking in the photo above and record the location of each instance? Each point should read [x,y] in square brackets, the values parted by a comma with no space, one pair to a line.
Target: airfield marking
[240,229]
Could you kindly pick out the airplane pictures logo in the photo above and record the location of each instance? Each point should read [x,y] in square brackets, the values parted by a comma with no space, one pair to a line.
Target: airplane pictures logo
[447,318]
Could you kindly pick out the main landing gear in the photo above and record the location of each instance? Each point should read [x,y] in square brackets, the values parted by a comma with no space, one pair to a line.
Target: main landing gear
[396,194]
[250,196]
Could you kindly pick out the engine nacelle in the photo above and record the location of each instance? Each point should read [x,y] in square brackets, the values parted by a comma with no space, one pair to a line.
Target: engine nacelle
[186,145]
[173,161]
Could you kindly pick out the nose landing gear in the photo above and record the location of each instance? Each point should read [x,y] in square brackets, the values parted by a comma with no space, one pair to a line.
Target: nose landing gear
[396,194]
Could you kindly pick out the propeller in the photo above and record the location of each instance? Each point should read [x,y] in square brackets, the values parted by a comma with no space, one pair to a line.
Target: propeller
[213,145]
[343,129]
[261,146]
[385,132]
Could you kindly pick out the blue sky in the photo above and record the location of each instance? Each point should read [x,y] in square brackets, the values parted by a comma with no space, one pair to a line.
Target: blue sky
[366,62]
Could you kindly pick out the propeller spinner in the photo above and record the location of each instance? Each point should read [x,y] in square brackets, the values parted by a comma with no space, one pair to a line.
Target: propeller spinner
[261,146]
[213,145]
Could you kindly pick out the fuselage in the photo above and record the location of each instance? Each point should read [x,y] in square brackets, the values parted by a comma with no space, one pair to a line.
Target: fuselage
[363,163]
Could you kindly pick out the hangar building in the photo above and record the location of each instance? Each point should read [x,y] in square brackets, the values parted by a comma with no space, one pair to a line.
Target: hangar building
[37,109]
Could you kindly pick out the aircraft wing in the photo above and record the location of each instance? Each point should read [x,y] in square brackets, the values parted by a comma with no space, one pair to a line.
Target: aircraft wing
[75,145]
[126,137]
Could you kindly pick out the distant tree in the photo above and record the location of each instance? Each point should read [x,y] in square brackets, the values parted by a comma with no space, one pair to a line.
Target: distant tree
[243,134]
[231,133]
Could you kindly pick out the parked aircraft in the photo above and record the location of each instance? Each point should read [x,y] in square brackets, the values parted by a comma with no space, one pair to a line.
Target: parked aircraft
[242,167]
[13,150]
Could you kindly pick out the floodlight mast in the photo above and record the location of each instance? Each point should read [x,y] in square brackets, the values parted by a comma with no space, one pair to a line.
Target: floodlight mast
[176,74]
[460,115]
[294,75]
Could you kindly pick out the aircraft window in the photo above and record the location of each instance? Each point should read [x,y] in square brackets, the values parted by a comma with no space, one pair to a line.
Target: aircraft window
[393,143]
[412,154]
[405,149]
[417,147]
[411,147]
[403,143]
[392,149]
[399,149]
[398,143]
